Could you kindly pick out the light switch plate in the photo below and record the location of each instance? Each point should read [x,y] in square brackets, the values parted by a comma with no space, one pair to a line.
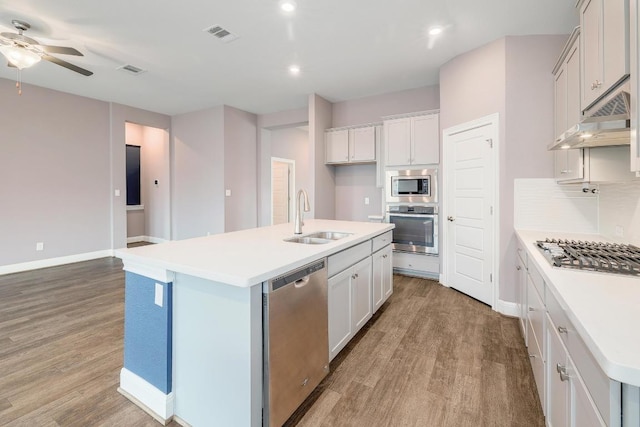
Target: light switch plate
[40,246]
[117,193]
[159,294]
[227,193]
[366,200]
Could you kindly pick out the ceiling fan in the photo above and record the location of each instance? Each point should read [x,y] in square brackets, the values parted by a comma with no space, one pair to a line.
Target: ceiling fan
[23,52]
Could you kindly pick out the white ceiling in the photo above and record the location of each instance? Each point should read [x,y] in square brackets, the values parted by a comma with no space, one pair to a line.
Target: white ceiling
[347,49]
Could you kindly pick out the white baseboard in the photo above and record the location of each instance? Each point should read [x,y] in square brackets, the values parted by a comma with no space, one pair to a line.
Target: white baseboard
[52,262]
[150,239]
[153,401]
[508,308]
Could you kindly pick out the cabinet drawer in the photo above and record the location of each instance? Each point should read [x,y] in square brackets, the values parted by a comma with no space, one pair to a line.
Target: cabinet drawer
[422,263]
[537,365]
[381,241]
[537,280]
[522,254]
[345,259]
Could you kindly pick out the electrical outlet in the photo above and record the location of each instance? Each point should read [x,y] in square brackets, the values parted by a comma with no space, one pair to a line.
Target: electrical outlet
[366,200]
[227,193]
[40,246]
[117,192]
[619,231]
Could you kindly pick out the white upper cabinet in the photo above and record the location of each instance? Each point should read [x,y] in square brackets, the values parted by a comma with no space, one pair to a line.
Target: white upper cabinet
[568,163]
[412,140]
[604,46]
[635,85]
[350,145]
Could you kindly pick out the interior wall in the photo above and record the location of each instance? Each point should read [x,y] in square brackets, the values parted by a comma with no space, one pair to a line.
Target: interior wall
[54,170]
[322,194]
[353,185]
[198,173]
[371,109]
[292,144]
[240,172]
[266,124]
[156,196]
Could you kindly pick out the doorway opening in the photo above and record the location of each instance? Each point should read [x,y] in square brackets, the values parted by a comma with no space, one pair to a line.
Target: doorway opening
[283,178]
[148,210]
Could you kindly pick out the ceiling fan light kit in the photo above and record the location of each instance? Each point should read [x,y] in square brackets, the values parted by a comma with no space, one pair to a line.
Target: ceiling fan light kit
[23,52]
[20,57]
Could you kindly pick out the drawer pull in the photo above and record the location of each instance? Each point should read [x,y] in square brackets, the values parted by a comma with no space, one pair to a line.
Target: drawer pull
[518,268]
[562,330]
[564,376]
[561,369]
[532,356]
[532,309]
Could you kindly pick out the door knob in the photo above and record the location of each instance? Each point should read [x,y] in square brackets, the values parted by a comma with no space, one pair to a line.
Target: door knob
[450,218]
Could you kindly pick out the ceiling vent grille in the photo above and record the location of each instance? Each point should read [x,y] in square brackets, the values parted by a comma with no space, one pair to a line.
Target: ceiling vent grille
[131,69]
[221,33]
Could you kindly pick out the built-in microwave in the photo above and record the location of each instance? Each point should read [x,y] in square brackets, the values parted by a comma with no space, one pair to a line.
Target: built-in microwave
[412,186]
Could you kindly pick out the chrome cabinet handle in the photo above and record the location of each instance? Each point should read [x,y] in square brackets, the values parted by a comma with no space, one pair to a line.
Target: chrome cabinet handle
[384,256]
[562,330]
[560,368]
[596,84]
[518,268]
[564,376]
[532,309]
[450,218]
[532,356]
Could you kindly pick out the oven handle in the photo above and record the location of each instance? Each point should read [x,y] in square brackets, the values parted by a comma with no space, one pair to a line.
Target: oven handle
[413,215]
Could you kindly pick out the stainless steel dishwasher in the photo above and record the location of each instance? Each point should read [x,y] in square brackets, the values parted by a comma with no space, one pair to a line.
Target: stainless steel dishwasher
[296,342]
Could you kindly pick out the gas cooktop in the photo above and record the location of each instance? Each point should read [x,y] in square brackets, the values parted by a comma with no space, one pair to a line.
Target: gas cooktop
[592,256]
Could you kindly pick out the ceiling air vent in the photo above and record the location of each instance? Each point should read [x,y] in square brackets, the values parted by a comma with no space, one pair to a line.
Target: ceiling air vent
[131,69]
[221,33]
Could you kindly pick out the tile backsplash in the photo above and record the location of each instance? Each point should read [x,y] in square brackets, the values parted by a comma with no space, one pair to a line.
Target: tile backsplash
[619,212]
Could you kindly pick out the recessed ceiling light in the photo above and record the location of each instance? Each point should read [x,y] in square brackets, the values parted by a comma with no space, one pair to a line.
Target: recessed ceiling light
[435,31]
[294,70]
[288,5]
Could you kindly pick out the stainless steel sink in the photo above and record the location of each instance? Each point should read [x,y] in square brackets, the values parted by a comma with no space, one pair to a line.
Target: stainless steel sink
[318,238]
[331,235]
[307,240]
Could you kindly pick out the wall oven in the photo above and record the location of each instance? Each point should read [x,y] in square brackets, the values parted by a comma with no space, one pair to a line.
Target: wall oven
[416,228]
[412,186]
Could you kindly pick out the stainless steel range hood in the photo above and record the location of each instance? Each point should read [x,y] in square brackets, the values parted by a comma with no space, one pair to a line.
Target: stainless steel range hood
[606,123]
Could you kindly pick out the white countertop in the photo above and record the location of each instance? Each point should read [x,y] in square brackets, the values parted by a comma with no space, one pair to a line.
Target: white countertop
[604,308]
[248,257]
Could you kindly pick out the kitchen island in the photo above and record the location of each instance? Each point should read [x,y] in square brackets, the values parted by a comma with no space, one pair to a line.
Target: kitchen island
[193,317]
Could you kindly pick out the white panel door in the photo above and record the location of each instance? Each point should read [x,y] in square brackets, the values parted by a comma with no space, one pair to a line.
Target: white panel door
[469,189]
[281,193]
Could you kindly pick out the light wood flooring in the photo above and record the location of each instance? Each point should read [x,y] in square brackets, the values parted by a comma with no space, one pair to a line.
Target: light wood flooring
[429,357]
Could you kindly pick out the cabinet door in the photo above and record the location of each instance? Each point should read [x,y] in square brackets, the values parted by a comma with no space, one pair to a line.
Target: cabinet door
[591,49]
[522,298]
[425,140]
[361,294]
[615,42]
[337,146]
[397,141]
[558,385]
[340,313]
[362,144]
[572,71]
[583,411]
[569,165]
[560,104]
[382,276]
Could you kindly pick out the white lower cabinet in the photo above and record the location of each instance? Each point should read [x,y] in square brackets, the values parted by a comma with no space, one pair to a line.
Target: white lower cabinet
[350,304]
[382,276]
[568,401]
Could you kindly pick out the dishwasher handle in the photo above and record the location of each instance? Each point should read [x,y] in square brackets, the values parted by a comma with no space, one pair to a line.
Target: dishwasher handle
[299,277]
[300,283]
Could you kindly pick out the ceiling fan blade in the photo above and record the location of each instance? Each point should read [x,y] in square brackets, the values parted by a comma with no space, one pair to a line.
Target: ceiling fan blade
[60,50]
[66,64]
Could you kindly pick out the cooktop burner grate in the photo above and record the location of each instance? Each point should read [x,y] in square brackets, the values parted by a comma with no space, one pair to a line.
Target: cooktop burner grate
[594,256]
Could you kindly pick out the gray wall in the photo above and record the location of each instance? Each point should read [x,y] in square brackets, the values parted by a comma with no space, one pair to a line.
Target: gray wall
[240,169]
[371,109]
[54,174]
[512,77]
[198,173]
[322,195]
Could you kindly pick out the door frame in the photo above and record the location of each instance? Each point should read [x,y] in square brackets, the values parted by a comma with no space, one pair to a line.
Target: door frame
[492,120]
[292,185]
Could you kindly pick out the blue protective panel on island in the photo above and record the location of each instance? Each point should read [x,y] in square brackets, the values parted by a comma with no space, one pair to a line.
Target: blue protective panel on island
[147,331]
